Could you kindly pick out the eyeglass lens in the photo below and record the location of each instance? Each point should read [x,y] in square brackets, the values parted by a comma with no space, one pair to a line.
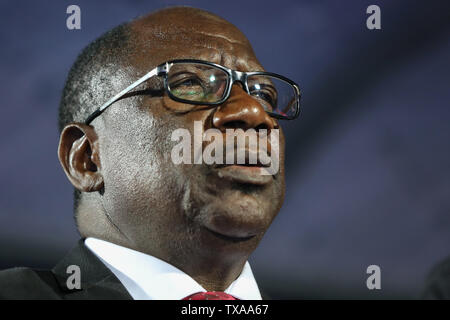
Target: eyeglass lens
[202,83]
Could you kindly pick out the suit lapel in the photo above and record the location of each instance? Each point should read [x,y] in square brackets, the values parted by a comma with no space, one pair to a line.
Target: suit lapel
[97,281]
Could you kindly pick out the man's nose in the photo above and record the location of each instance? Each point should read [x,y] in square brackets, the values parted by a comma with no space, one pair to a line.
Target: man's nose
[242,111]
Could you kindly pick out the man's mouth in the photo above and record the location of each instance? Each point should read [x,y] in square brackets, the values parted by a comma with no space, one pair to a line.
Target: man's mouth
[246,173]
[228,237]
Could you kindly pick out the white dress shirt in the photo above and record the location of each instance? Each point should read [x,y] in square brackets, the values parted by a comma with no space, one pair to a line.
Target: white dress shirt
[148,278]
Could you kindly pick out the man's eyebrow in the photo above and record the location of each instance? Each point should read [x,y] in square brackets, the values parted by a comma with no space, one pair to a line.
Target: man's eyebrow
[154,83]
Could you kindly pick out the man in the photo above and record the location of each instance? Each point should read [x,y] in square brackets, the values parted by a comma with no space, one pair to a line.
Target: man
[151,228]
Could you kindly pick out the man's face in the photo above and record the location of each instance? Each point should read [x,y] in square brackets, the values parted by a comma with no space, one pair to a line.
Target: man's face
[173,211]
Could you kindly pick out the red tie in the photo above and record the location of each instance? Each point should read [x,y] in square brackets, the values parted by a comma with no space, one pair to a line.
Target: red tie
[212,295]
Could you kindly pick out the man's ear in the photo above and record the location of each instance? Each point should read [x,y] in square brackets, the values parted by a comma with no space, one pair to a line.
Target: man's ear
[78,153]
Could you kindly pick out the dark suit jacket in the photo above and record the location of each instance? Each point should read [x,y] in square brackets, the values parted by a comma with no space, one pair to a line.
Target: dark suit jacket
[437,286]
[97,281]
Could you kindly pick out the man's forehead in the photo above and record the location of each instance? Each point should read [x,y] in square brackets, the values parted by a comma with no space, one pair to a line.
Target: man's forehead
[211,38]
[187,20]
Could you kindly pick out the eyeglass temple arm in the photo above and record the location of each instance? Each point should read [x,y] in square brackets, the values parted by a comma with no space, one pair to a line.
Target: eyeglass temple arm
[97,112]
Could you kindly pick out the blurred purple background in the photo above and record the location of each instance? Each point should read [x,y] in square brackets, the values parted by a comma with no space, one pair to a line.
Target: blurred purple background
[368,162]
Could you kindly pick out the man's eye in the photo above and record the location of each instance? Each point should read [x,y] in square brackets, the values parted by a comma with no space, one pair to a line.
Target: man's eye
[269,101]
[188,82]
[187,87]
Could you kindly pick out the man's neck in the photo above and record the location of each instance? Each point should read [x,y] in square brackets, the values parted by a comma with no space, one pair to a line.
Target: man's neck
[214,273]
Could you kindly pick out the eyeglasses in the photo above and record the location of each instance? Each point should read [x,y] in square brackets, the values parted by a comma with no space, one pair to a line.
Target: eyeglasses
[199,82]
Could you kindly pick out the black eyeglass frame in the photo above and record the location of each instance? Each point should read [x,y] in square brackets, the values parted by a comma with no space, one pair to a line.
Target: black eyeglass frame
[234,75]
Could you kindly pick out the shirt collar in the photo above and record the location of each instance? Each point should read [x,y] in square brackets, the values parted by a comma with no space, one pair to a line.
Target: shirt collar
[148,278]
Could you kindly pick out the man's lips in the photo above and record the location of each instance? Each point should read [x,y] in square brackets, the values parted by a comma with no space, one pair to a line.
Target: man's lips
[228,237]
[247,174]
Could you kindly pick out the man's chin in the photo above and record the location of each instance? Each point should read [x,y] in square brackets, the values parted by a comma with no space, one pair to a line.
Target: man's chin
[232,211]
[239,220]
